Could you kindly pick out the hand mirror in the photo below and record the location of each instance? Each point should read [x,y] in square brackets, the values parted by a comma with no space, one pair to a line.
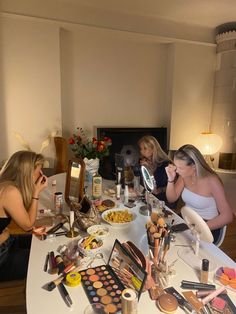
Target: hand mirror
[74,189]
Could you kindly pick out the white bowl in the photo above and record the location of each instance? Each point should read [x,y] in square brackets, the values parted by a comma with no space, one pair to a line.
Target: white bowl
[98,231]
[89,251]
[118,224]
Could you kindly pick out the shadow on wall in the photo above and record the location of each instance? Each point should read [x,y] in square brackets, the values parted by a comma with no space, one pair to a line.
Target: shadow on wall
[67,92]
[3,142]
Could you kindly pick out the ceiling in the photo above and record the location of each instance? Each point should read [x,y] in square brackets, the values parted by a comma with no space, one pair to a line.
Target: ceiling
[191,20]
[210,13]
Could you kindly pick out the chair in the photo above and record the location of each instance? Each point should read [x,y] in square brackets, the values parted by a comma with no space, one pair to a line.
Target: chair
[221,236]
[12,297]
[61,154]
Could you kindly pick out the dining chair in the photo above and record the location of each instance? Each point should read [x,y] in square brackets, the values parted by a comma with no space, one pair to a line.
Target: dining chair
[61,146]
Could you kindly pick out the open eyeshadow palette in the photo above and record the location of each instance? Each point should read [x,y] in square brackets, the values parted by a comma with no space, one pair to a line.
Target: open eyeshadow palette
[104,284]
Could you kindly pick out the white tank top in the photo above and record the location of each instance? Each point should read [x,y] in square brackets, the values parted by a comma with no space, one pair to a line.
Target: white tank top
[205,206]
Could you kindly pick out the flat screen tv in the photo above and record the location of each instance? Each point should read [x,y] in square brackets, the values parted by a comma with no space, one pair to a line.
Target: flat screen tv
[125,142]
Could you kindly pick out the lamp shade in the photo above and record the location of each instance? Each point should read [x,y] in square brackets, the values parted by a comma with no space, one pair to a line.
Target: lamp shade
[208,143]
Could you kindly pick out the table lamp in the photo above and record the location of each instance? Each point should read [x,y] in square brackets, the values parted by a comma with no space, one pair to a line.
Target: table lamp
[208,143]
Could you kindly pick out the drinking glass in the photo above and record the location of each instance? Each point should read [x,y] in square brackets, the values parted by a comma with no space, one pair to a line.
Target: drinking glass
[95,308]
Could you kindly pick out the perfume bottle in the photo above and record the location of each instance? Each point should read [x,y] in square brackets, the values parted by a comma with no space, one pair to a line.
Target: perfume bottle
[96,186]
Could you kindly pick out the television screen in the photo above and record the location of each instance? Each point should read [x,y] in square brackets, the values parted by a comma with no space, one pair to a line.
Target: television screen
[125,143]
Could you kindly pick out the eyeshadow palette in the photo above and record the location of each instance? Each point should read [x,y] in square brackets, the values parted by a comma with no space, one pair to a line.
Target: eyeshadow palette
[104,284]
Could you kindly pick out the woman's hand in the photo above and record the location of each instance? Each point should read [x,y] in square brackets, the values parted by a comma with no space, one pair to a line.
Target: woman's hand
[171,172]
[40,184]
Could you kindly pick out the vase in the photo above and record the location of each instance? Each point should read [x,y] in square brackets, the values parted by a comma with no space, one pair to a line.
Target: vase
[91,166]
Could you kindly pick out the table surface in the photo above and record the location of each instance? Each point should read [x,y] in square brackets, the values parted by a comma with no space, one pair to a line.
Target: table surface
[39,300]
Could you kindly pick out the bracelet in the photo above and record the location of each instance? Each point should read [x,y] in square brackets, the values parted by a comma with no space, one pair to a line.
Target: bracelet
[171,181]
[35,198]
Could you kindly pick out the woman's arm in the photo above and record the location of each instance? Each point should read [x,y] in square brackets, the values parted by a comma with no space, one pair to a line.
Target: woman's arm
[225,212]
[14,206]
[174,187]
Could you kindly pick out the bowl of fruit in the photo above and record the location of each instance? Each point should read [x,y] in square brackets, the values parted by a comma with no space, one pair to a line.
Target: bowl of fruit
[90,245]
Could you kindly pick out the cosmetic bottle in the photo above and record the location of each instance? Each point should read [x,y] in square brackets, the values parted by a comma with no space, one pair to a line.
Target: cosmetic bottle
[96,186]
[126,194]
[204,271]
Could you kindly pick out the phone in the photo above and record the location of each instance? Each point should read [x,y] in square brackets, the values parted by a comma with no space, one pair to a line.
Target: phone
[179,227]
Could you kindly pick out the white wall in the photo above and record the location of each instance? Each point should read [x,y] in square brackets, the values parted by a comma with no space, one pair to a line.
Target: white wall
[59,76]
[30,83]
[108,80]
[193,77]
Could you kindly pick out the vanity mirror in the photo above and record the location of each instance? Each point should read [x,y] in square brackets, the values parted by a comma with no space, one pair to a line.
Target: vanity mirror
[74,189]
[148,182]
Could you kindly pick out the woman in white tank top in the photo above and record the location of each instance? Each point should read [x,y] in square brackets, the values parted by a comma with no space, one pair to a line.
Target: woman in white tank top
[200,187]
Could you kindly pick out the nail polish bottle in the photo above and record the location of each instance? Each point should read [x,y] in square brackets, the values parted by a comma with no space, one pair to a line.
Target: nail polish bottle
[204,271]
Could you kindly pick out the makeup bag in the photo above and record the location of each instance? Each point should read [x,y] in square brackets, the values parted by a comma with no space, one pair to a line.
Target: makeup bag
[86,214]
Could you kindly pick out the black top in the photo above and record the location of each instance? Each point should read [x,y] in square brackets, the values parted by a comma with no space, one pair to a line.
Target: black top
[161,182]
[4,222]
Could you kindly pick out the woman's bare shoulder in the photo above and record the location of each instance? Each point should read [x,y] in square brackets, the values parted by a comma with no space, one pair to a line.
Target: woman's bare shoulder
[11,191]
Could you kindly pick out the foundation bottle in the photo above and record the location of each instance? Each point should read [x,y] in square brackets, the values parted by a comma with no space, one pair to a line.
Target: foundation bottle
[204,271]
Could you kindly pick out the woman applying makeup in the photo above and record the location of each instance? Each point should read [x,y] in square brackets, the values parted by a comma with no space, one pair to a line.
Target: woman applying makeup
[21,181]
[200,188]
[155,159]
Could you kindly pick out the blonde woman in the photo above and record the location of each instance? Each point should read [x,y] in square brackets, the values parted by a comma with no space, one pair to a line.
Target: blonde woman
[21,181]
[155,159]
[200,187]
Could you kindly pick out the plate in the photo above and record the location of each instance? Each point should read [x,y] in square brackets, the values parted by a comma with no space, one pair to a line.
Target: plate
[120,214]
[98,231]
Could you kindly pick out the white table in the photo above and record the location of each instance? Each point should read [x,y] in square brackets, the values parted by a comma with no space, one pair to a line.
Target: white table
[39,300]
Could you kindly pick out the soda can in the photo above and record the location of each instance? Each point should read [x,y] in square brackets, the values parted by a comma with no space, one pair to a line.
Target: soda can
[58,202]
[129,301]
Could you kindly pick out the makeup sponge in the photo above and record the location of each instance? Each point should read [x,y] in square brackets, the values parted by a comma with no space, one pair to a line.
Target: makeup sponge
[167,303]
[230,272]
[224,279]
[232,283]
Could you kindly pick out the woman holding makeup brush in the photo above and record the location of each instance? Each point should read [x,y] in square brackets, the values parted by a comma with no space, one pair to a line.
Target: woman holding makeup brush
[21,181]
[200,188]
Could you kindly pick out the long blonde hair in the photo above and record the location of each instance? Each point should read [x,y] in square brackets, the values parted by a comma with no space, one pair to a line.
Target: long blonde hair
[158,155]
[192,156]
[18,171]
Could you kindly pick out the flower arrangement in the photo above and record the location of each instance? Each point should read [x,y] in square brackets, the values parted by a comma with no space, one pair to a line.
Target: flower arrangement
[83,147]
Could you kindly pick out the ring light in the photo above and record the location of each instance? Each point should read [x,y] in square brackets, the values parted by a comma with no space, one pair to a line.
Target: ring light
[148,181]
[200,232]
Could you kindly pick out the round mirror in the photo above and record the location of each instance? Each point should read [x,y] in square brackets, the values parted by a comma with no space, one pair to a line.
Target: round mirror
[148,182]
[147,179]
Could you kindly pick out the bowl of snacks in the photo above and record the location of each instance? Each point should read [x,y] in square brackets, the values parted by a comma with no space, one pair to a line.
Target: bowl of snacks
[90,245]
[98,231]
[118,217]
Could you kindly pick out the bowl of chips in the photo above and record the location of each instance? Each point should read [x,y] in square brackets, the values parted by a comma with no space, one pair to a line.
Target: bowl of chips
[118,217]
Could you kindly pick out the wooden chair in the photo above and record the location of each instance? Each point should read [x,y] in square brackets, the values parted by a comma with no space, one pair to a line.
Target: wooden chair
[61,146]
[13,297]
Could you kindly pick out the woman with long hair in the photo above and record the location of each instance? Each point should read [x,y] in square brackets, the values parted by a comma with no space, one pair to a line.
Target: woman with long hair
[200,187]
[21,181]
[155,159]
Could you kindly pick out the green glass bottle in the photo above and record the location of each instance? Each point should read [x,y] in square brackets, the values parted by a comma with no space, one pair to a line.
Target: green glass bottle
[96,186]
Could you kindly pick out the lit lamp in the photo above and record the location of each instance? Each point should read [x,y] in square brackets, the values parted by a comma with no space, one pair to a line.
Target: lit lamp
[209,143]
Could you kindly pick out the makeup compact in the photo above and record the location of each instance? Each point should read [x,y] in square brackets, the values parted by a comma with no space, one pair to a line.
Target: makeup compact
[104,284]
